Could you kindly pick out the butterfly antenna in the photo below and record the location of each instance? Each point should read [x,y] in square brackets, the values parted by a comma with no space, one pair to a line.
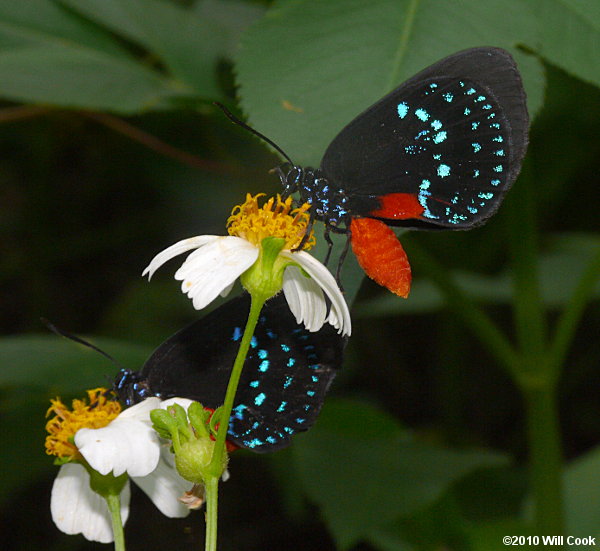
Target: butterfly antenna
[237,121]
[75,338]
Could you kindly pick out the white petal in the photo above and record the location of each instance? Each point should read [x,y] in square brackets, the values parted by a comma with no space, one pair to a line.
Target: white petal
[175,250]
[163,486]
[305,298]
[341,318]
[127,444]
[210,270]
[76,509]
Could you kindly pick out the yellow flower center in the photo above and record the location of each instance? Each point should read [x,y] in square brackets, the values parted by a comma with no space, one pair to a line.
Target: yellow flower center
[275,218]
[62,427]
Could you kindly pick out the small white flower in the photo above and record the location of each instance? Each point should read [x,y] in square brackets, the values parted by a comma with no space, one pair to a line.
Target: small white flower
[127,444]
[217,261]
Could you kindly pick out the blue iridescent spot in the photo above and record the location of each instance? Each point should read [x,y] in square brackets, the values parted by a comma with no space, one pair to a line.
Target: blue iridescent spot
[253,342]
[288,430]
[487,106]
[238,411]
[425,184]
[260,399]
[467,111]
[281,407]
[484,195]
[237,334]
[421,114]
[315,378]
[495,125]
[271,439]
[498,168]
[421,134]
[433,86]
[440,137]
[498,139]
[491,116]
[254,384]
[436,125]
[472,210]
[479,98]
[448,97]
[475,173]
[291,362]
[476,147]
[252,443]
[495,182]
[299,420]
[437,156]
[310,393]
[262,353]
[285,347]
[271,334]
[470,91]
[443,171]
[500,152]
[402,110]
[457,218]
[474,125]
[288,381]
[264,365]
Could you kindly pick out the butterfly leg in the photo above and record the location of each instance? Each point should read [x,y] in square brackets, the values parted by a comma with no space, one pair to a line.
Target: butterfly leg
[305,237]
[338,272]
[329,244]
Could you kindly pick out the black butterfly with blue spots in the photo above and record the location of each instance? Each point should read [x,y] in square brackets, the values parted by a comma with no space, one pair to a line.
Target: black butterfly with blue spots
[286,375]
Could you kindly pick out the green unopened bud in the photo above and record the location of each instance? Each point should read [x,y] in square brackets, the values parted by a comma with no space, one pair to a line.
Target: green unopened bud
[193,460]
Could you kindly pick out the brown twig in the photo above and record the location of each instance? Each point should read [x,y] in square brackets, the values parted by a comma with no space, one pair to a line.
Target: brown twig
[154,143]
[8,114]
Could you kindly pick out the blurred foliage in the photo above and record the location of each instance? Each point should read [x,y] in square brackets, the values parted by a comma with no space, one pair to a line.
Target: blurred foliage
[110,150]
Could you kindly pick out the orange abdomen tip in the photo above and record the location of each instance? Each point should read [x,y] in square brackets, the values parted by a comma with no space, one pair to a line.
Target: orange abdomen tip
[381,255]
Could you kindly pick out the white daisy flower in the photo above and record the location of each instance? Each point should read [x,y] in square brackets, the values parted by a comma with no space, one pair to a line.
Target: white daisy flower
[110,442]
[217,261]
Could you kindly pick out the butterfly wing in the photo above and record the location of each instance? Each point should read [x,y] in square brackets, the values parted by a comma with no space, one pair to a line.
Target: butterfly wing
[287,372]
[452,138]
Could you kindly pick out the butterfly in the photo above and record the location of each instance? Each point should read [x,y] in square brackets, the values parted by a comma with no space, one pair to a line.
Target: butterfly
[286,375]
[438,152]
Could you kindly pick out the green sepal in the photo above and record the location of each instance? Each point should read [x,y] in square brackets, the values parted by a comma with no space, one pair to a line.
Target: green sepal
[199,417]
[106,484]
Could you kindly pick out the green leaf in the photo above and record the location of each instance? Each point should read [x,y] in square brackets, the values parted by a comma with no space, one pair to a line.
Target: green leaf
[23,459]
[569,35]
[232,16]
[65,366]
[80,78]
[364,471]
[45,24]
[328,61]
[582,496]
[189,46]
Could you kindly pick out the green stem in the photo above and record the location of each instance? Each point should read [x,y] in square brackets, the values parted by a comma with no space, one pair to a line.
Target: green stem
[571,315]
[545,460]
[216,464]
[114,506]
[212,498]
[537,380]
